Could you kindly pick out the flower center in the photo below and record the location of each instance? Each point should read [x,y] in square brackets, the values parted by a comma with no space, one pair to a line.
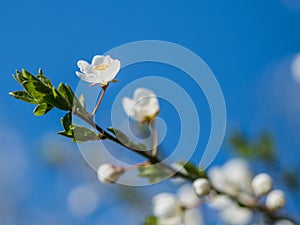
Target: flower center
[101,67]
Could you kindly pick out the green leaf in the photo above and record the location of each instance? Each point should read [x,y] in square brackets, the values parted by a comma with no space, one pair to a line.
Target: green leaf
[68,133]
[36,89]
[42,109]
[24,96]
[64,92]
[56,99]
[81,134]
[192,169]
[126,141]
[44,79]
[82,101]
[151,220]
[119,135]
[154,173]
[67,121]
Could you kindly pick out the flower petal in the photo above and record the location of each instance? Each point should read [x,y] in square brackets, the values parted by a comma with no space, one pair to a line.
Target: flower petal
[140,93]
[128,105]
[112,71]
[88,77]
[83,65]
[99,59]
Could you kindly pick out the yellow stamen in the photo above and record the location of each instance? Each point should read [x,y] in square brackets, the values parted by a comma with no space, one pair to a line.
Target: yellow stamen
[101,67]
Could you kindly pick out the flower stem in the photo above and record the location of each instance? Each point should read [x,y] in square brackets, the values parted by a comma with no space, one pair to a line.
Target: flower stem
[100,100]
[154,134]
[272,216]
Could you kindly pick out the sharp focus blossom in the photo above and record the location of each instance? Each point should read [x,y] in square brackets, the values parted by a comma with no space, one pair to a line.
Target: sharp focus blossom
[102,70]
[143,106]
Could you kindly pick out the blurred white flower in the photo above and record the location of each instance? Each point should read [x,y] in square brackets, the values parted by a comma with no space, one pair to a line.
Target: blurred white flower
[166,205]
[102,70]
[201,187]
[193,217]
[187,196]
[108,173]
[219,202]
[236,215]
[284,222]
[82,201]
[275,200]
[262,184]
[143,107]
[295,68]
[233,177]
[175,220]
[172,210]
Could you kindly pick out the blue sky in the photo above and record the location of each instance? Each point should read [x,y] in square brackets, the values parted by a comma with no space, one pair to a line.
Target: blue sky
[245,43]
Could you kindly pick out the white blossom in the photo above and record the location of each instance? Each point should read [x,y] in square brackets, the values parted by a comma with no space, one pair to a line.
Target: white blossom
[102,70]
[193,217]
[262,184]
[275,200]
[284,222]
[108,173]
[232,178]
[295,67]
[236,215]
[166,206]
[143,107]
[187,196]
[201,187]
[219,202]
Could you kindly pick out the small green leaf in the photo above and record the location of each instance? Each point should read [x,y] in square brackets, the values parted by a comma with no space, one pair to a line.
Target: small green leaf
[81,134]
[151,220]
[42,109]
[68,133]
[44,79]
[192,169]
[64,92]
[120,135]
[24,96]
[126,141]
[82,101]
[154,173]
[57,100]
[36,89]
[67,121]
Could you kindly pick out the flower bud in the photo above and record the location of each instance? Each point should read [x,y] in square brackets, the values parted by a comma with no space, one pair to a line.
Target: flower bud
[275,200]
[201,187]
[108,173]
[166,205]
[261,184]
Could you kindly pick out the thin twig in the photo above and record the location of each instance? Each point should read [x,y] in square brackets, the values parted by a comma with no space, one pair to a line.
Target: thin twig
[154,134]
[155,160]
[100,100]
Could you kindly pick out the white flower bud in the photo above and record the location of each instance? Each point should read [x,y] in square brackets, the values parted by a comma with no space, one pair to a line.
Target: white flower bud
[108,173]
[275,200]
[261,184]
[166,205]
[201,187]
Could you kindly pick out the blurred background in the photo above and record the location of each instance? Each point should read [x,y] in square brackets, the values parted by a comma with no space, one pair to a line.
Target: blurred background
[253,48]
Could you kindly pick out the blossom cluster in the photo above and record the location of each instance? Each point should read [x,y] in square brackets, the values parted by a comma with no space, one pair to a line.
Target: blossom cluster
[231,189]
